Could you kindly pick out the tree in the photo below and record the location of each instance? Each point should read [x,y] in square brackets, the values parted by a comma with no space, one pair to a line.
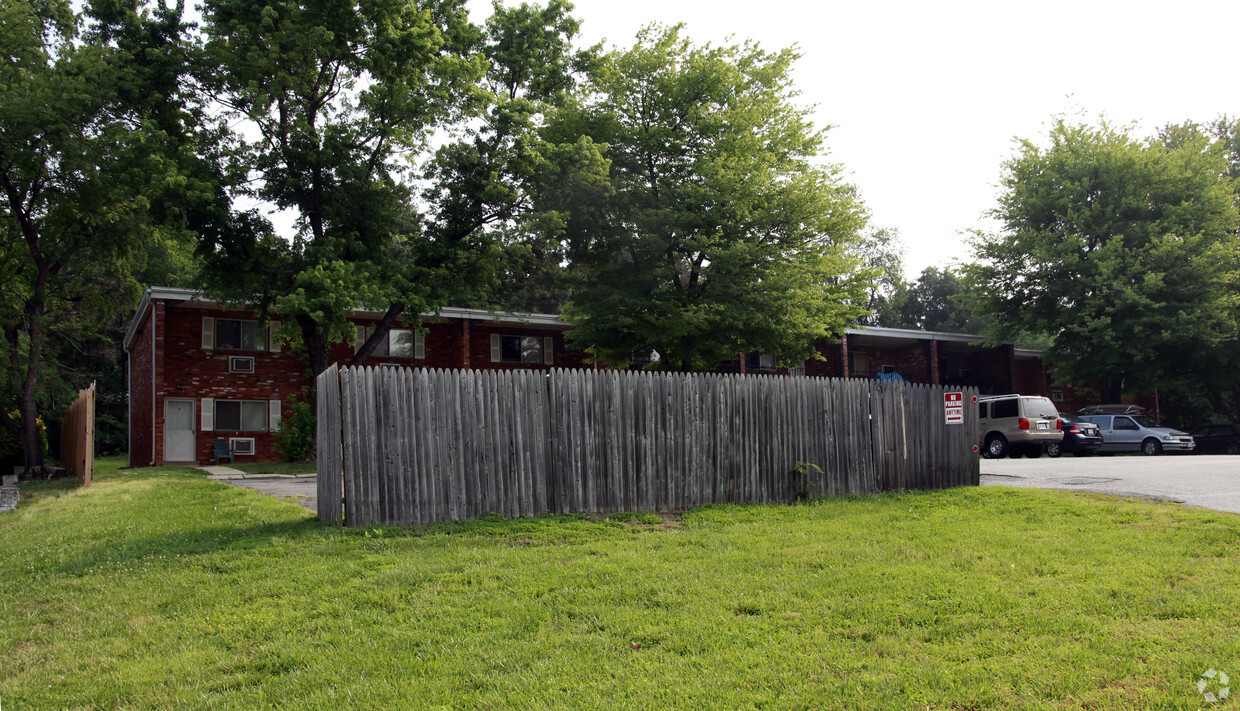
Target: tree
[333,97]
[342,100]
[933,303]
[882,252]
[1122,250]
[76,166]
[721,231]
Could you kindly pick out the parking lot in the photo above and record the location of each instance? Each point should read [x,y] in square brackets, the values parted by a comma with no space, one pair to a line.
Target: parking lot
[1209,481]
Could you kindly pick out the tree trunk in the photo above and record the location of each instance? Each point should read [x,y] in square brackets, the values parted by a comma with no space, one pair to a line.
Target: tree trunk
[316,343]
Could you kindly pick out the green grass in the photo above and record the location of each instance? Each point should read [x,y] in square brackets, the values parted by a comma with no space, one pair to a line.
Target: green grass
[162,589]
[274,467]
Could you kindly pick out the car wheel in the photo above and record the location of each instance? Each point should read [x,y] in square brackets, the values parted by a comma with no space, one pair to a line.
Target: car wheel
[996,447]
[1233,447]
[1054,449]
[1151,447]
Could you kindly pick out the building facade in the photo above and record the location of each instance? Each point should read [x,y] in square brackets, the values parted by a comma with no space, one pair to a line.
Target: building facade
[200,372]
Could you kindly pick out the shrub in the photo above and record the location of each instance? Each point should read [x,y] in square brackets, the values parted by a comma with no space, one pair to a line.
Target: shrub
[11,447]
[296,434]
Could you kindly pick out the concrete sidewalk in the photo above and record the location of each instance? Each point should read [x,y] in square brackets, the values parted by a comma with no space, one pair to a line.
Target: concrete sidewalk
[299,488]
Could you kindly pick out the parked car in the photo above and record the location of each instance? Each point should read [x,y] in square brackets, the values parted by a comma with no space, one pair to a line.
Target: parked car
[1139,433]
[1017,425]
[1080,437]
[1217,439]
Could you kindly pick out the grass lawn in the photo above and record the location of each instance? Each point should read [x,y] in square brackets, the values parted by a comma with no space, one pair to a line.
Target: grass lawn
[161,589]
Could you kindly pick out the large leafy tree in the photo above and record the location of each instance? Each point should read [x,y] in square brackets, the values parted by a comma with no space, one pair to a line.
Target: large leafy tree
[78,167]
[1122,250]
[934,303]
[340,101]
[330,98]
[722,231]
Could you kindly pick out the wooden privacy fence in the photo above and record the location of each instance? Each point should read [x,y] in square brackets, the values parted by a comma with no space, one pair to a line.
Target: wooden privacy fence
[77,436]
[401,446]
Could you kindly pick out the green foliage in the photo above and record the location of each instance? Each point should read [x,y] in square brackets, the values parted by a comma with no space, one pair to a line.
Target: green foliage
[11,446]
[882,252]
[78,169]
[803,479]
[1124,251]
[721,231]
[932,303]
[295,438]
[970,598]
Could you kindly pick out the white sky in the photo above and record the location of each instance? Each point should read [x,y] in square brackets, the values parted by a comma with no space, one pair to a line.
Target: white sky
[926,97]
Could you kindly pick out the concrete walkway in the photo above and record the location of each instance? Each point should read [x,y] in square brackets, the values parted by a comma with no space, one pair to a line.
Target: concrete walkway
[299,488]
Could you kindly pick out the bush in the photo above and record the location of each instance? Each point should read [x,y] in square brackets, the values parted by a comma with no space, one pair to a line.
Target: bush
[11,447]
[296,434]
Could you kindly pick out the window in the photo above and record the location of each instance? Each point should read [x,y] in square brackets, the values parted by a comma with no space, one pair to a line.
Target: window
[239,335]
[860,363]
[400,343]
[1057,395]
[521,349]
[1125,423]
[241,415]
[889,369]
[1003,408]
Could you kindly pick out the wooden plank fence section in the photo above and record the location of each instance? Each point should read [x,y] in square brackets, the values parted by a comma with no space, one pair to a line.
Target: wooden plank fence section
[77,436]
[401,447]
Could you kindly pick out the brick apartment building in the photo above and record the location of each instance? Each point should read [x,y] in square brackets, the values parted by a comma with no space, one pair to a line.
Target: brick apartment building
[200,372]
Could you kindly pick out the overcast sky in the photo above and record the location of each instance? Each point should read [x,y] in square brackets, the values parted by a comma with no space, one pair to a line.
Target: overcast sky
[925,98]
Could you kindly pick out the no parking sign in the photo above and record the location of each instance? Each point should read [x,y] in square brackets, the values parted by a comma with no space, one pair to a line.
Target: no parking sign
[953,407]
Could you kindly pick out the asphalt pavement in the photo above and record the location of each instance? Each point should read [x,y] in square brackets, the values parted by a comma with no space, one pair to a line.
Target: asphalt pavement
[1206,480]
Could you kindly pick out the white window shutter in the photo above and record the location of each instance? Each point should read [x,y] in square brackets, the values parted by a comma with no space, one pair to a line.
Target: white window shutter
[273,338]
[273,415]
[419,345]
[548,350]
[496,350]
[208,414]
[208,332]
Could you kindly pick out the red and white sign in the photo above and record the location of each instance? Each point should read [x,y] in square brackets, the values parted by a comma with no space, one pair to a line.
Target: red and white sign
[953,406]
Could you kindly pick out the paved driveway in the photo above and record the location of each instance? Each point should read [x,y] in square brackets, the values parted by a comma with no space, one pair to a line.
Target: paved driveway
[1205,480]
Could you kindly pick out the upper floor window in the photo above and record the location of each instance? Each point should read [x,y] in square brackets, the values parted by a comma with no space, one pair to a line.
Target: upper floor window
[239,334]
[400,343]
[522,349]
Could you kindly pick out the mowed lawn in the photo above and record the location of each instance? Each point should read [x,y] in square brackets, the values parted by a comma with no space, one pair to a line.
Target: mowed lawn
[162,589]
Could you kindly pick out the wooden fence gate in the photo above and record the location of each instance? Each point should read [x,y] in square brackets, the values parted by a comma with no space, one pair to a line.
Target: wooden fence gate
[77,436]
[404,446]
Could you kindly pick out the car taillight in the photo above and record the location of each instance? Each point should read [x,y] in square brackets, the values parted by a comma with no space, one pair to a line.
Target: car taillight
[1059,424]
[1024,423]
[1074,429]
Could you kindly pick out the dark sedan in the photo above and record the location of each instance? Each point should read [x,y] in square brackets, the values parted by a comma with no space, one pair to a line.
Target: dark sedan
[1079,437]
[1217,439]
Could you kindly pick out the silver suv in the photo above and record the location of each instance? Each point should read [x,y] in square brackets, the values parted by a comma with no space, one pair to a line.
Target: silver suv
[1016,425]
[1139,433]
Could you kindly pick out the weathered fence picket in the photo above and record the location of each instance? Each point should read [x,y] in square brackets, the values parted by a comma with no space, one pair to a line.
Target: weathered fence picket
[400,446]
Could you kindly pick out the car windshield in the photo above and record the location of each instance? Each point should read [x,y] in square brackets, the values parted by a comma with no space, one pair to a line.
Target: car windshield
[1145,420]
[1040,407]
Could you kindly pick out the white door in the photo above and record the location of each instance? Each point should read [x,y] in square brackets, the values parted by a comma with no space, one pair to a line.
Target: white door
[179,431]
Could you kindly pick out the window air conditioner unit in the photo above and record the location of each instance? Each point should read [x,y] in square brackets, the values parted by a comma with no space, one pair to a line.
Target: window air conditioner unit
[240,364]
[242,445]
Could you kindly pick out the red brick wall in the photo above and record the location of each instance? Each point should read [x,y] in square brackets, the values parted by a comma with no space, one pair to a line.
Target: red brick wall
[189,371]
[830,365]
[141,414]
